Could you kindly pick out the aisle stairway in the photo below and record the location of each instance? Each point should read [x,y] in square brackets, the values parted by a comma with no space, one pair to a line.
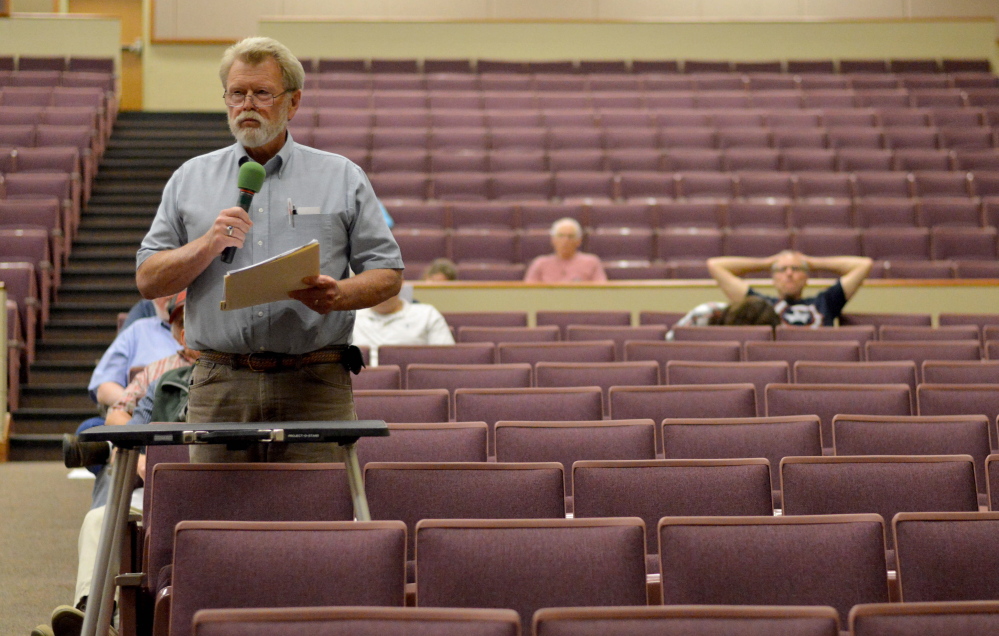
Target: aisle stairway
[99,281]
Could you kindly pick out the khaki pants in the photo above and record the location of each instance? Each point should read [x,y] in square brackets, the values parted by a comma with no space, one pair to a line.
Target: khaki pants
[318,392]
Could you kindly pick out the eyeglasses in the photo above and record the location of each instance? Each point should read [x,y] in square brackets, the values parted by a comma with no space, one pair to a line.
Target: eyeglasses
[260,98]
[776,269]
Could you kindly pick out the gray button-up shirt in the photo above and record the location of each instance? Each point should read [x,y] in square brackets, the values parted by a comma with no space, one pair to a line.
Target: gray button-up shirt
[336,205]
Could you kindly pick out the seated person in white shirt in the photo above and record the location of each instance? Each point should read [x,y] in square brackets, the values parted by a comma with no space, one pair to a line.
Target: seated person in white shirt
[399,322]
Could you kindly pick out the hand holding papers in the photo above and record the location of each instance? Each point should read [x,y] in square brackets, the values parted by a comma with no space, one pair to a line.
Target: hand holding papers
[271,280]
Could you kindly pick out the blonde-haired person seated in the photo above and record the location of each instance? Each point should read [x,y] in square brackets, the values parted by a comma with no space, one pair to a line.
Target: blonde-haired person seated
[567,264]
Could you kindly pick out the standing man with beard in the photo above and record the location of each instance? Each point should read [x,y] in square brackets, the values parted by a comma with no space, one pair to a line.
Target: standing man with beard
[789,270]
[287,360]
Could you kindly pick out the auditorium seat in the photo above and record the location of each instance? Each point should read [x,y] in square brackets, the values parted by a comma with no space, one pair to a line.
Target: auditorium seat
[429,405]
[574,317]
[567,442]
[531,404]
[690,619]
[916,435]
[888,372]
[457,320]
[715,333]
[465,353]
[411,491]
[887,318]
[828,400]
[663,352]
[534,352]
[959,399]
[903,332]
[757,373]
[926,619]
[383,377]
[918,351]
[388,621]
[835,560]
[530,563]
[883,484]
[946,556]
[653,489]
[471,376]
[496,335]
[619,334]
[601,374]
[427,442]
[253,564]
[772,438]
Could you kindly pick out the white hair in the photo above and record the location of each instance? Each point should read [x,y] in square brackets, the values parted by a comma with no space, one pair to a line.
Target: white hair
[255,51]
[575,226]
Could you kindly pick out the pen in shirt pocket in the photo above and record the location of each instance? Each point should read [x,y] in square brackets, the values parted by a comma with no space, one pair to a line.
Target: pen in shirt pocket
[291,213]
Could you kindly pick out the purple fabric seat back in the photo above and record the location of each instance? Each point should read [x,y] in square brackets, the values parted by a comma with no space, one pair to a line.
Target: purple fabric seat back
[925,619]
[426,442]
[239,492]
[828,400]
[946,556]
[760,374]
[530,564]
[884,484]
[430,405]
[569,442]
[690,620]
[259,564]
[385,621]
[915,435]
[834,560]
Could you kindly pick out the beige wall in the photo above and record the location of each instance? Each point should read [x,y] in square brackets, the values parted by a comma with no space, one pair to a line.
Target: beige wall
[875,296]
[183,76]
[186,19]
[49,34]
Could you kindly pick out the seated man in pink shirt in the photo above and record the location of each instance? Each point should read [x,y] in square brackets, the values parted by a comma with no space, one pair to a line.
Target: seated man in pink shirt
[567,264]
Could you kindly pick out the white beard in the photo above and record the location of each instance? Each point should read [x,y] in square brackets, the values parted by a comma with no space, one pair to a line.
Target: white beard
[264,134]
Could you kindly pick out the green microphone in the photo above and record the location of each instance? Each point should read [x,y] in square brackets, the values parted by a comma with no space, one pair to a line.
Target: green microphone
[251,177]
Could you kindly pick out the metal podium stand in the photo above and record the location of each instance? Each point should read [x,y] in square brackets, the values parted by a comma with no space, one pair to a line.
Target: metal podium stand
[128,440]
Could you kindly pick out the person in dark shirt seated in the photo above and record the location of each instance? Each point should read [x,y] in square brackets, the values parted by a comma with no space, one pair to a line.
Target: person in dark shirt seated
[789,271]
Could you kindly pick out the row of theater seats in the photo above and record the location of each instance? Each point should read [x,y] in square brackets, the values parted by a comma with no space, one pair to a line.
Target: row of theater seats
[484,66]
[445,114]
[650,82]
[760,185]
[874,619]
[697,512]
[686,185]
[662,98]
[643,246]
[75,63]
[104,81]
[648,214]
[52,138]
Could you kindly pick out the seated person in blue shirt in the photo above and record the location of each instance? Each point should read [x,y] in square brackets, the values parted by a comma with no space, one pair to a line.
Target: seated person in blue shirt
[142,342]
[789,271]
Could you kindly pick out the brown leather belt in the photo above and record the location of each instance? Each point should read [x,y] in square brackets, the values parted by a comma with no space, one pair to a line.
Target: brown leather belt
[269,361]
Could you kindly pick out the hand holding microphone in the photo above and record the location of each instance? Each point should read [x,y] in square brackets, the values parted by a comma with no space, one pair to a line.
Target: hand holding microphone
[251,178]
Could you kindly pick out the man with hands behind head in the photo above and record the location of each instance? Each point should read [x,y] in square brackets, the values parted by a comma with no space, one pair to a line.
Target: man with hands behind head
[789,271]
[287,360]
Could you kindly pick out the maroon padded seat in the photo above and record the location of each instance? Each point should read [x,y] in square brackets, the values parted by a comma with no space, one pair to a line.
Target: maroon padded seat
[884,484]
[835,560]
[530,563]
[411,491]
[946,556]
[663,352]
[829,400]
[760,374]
[426,442]
[430,405]
[387,621]
[693,620]
[237,492]
[567,442]
[889,372]
[915,435]
[772,438]
[925,619]
[253,564]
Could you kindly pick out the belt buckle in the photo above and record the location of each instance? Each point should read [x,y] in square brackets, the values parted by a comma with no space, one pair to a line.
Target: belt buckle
[249,362]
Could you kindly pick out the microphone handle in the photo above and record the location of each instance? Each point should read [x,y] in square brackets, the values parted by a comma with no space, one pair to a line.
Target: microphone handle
[245,198]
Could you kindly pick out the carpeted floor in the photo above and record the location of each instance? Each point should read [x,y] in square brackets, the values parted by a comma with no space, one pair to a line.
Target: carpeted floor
[40,515]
